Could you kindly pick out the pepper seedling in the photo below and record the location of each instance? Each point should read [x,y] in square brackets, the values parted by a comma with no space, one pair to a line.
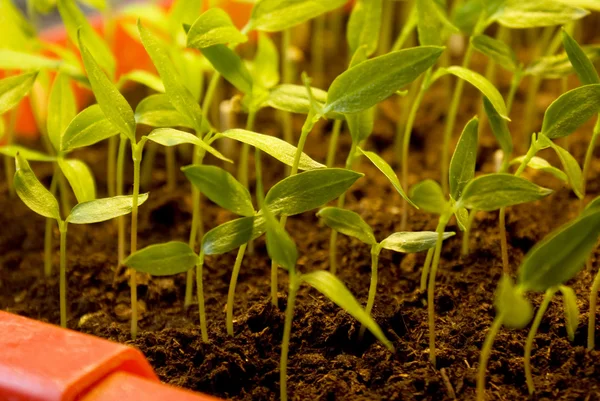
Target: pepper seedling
[547,266]
[41,201]
[350,223]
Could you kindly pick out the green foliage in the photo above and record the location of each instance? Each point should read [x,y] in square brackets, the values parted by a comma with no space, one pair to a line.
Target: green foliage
[294,98]
[433,25]
[19,60]
[499,127]
[80,178]
[462,165]
[571,110]
[278,15]
[348,223]
[537,13]
[13,89]
[264,69]
[361,124]
[559,66]
[214,27]
[230,66]
[157,111]
[87,128]
[61,110]
[581,63]
[27,154]
[571,311]
[572,169]
[537,163]
[496,50]
[429,196]
[32,192]
[142,77]
[174,137]
[364,26]
[99,210]
[412,242]
[163,259]
[280,246]
[228,236]
[515,309]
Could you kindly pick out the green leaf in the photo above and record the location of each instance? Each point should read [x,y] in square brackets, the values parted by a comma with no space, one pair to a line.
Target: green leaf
[19,60]
[27,154]
[32,192]
[103,209]
[364,26]
[157,111]
[428,195]
[433,25]
[163,259]
[361,124]
[111,101]
[561,255]
[61,109]
[87,128]
[265,66]
[374,80]
[214,27]
[333,288]
[220,187]
[80,178]
[559,66]
[388,172]
[462,218]
[179,96]
[230,65]
[79,29]
[537,163]
[496,50]
[512,305]
[586,4]
[13,89]
[280,245]
[145,78]
[572,169]
[581,63]
[412,242]
[294,99]
[499,127]
[481,83]
[571,311]
[348,223]
[228,236]
[279,149]
[518,14]
[464,159]
[174,137]
[278,15]
[183,12]
[495,191]
[309,190]
[571,110]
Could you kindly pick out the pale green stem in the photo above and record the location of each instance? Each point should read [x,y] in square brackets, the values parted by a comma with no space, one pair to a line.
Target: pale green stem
[425,270]
[375,249]
[589,154]
[387,26]
[467,234]
[63,189]
[333,141]
[317,51]
[285,344]
[592,313]
[431,286]
[503,241]
[111,164]
[119,191]
[531,336]
[407,29]
[232,285]
[200,295]
[137,158]
[243,166]
[514,86]
[530,107]
[48,233]
[484,356]
[63,273]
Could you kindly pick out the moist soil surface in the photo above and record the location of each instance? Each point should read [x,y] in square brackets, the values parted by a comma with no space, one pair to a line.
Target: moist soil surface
[327,361]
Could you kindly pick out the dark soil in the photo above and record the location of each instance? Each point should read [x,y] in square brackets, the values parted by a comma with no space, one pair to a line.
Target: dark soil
[326,360]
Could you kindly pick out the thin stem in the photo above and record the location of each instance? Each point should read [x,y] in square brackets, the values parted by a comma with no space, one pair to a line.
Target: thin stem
[119,191]
[111,164]
[63,273]
[137,158]
[407,29]
[48,234]
[503,241]
[317,51]
[530,109]
[9,164]
[514,86]
[285,344]
[375,249]
[589,154]
[63,189]
[333,141]
[200,295]
[451,120]
[426,268]
[387,25]
[232,284]
[592,312]
[467,234]
[431,287]
[484,357]
[531,336]
[243,166]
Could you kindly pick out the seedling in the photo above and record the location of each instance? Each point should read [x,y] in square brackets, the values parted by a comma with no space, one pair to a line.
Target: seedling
[351,224]
[549,264]
[41,201]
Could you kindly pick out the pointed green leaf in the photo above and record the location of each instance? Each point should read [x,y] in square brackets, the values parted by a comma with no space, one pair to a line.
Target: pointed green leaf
[374,80]
[32,192]
[388,172]
[220,187]
[174,137]
[433,25]
[572,169]
[571,311]
[163,259]
[103,209]
[581,63]
[464,159]
[294,98]
[518,14]
[18,60]
[571,110]
[61,109]
[309,190]
[428,195]
[279,149]
[145,78]
[495,191]
[361,124]
[561,255]
[348,223]
[499,127]
[512,305]
[230,65]
[364,25]
[228,236]
[559,66]
[265,66]
[412,242]
[27,154]
[280,245]
[496,50]
[87,128]
[333,288]
[537,163]
[13,89]
[80,178]
[462,218]
[214,27]
[278,15]
[183,12]
[157,111]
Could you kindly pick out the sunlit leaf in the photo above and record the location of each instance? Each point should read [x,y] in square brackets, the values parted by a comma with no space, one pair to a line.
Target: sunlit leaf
[104,209]
[32,192]
[163,259]
[348,223]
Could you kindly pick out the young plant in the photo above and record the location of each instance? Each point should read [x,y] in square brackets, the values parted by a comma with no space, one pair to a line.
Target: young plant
[549,264]
[351,224]
[283,249]
[41,201]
